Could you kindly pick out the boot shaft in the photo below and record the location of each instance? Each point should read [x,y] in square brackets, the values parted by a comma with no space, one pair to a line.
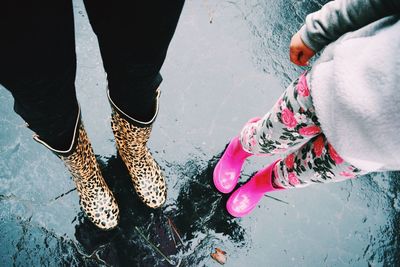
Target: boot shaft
[96,198]
[262,180]
[131,137]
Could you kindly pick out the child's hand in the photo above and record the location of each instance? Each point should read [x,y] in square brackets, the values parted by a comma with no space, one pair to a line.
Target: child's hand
[300,53]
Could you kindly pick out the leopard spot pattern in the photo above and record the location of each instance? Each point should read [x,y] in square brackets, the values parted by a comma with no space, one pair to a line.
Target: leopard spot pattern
[146,175]
[96,198]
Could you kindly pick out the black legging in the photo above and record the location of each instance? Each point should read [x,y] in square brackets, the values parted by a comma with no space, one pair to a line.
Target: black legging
[38,60]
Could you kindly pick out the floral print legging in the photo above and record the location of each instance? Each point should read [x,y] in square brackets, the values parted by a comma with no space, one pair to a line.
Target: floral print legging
[291,128]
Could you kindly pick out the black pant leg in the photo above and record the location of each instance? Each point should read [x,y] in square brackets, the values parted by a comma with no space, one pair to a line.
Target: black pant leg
[38,65]
[134,37]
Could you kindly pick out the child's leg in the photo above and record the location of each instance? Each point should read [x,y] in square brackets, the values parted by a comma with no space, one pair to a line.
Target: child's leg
[315,162]
[289,125]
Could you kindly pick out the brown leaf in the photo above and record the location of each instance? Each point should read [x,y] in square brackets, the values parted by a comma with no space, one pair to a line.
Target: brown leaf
[219,255]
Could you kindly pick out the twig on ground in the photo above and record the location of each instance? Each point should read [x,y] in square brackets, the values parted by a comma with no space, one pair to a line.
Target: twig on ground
[175,231]
[277,199]
[154,246]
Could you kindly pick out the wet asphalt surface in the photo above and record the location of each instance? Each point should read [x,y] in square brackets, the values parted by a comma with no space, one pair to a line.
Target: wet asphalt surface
[227,62]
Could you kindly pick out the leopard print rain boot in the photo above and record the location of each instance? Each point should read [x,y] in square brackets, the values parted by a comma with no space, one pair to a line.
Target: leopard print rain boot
[131,137]
[96,199]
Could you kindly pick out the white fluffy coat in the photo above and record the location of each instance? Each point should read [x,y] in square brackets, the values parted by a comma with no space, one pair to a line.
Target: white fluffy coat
[355,86]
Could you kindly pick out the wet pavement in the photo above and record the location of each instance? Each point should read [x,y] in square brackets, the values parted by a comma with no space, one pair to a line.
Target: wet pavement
[228,62]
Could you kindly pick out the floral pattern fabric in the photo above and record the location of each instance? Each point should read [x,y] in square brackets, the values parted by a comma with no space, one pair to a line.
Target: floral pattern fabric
[291,128]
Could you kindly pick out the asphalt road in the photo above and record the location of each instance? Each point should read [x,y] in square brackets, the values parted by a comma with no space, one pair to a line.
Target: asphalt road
[227,62]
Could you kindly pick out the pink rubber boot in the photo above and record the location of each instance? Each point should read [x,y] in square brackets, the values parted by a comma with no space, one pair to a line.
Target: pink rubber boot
[227,171]
[246,198]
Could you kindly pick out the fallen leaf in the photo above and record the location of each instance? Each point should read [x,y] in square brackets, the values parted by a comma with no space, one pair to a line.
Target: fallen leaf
[219,255]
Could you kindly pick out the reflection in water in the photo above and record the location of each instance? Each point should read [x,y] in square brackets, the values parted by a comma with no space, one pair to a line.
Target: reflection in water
[194,218]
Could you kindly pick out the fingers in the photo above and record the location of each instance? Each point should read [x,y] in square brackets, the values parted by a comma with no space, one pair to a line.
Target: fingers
[299,53]
[294,57]
[298,57]
[303,59]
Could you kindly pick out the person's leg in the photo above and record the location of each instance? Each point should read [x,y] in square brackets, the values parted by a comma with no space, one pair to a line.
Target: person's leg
[287,126]
[315,162]
[290,124]
[134,37]
[38,67]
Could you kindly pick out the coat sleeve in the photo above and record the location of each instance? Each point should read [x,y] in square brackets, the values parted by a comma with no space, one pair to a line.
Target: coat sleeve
[341,16]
